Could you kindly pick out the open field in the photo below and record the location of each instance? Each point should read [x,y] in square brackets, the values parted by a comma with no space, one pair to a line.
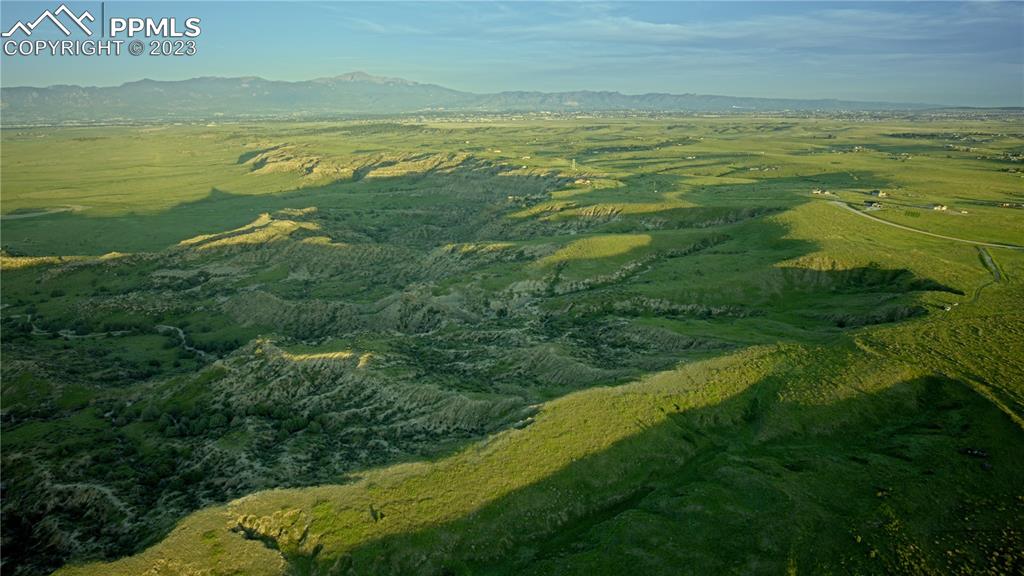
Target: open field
[514,346]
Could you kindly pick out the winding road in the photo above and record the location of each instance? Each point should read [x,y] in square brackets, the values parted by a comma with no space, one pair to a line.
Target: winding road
[908,228]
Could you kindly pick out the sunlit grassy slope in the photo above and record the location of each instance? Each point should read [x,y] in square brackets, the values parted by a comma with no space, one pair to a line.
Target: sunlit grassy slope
[465,358]
[110,172]
[824,458]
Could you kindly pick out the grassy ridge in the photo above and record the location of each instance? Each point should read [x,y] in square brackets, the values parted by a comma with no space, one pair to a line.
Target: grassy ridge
[681,462]
[791,409]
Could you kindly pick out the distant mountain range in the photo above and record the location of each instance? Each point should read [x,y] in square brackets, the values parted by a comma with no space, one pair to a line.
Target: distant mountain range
[355,93]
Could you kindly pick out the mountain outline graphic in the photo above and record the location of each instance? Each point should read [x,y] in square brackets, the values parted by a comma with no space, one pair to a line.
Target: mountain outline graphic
[27,29]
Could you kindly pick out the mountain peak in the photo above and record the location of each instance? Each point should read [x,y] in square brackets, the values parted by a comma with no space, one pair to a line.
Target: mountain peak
[360,76]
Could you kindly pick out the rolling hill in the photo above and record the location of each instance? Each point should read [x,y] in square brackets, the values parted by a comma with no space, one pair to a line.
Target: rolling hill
[581,346]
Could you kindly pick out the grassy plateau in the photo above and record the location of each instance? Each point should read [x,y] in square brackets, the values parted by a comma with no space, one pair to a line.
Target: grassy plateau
[515,345]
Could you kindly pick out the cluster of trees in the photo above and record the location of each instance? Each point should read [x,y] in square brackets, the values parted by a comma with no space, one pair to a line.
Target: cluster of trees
[217,347]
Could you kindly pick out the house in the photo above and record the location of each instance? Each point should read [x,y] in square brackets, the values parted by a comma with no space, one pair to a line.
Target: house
[879,193]
[872,204]
[817,191]
[940,207]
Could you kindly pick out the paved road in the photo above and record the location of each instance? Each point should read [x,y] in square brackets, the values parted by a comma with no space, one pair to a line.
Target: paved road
[895,225]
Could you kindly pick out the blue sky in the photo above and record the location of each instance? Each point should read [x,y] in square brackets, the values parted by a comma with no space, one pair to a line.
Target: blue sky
[945,52]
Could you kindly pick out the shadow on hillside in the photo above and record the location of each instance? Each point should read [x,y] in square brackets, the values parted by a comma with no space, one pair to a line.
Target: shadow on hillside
[884,482]
[78,233]
[752,252]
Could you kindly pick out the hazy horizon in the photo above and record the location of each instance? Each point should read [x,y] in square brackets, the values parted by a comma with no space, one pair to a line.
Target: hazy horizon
[596,89]
[942,53]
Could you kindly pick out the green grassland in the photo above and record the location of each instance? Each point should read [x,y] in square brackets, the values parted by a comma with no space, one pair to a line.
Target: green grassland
[433,346]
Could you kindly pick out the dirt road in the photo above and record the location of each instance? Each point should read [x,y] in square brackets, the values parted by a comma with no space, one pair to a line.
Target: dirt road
[908,228]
